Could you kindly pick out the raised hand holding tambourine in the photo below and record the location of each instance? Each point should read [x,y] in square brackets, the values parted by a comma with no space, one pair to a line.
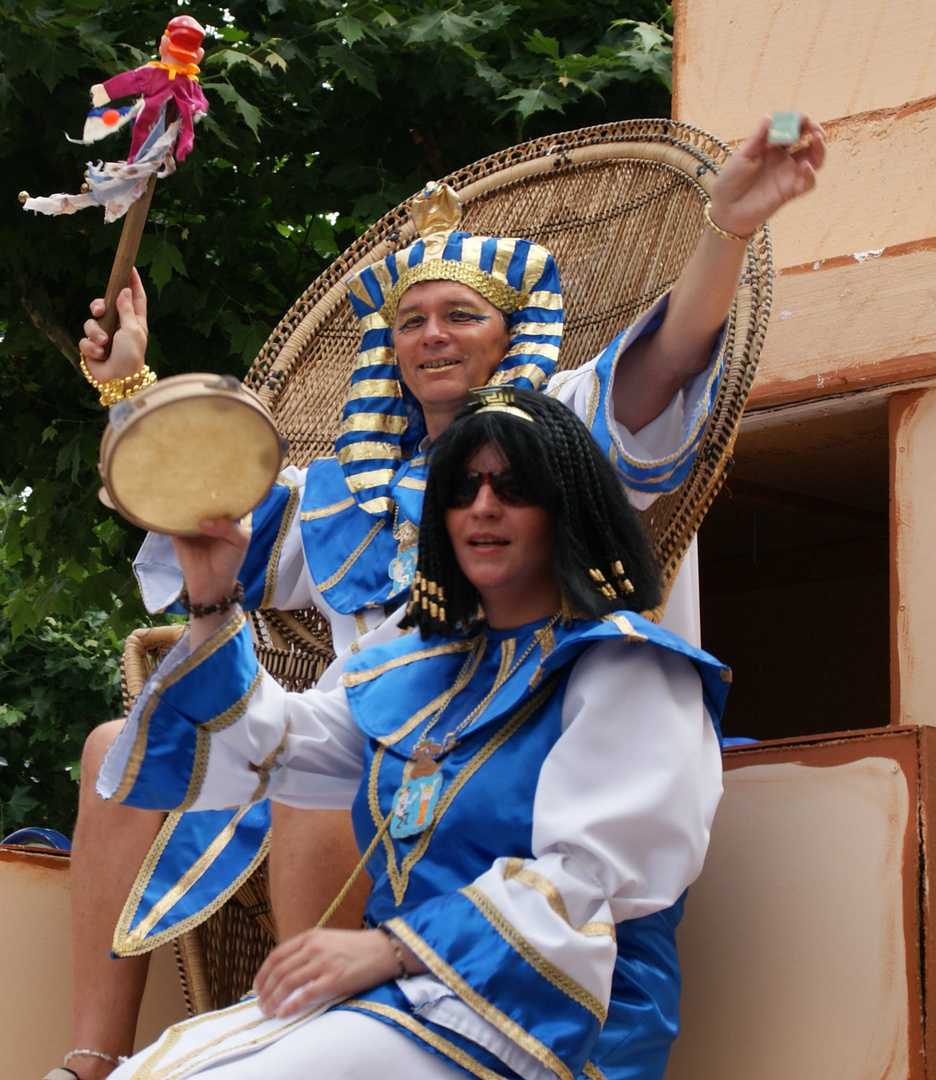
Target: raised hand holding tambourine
[186,449]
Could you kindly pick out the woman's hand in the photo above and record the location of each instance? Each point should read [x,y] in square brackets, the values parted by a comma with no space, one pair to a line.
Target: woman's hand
[128,352]
[211,564]
[318,965]
[759,177]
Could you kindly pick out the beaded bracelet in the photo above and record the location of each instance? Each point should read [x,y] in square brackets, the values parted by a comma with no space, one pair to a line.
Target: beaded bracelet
[119,1060]
[723,233]
[115,390]
[398,951]
[199,611]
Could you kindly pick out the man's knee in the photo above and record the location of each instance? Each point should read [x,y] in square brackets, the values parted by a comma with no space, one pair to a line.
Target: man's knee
[96,746]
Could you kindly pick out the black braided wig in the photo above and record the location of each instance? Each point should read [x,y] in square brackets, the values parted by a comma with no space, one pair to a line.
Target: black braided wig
[557,465]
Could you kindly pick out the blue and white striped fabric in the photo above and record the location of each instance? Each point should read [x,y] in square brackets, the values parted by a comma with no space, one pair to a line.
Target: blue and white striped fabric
[382,422]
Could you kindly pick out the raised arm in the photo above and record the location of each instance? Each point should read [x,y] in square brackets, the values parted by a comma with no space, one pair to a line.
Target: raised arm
[128,353]
[754,183]
[211,563]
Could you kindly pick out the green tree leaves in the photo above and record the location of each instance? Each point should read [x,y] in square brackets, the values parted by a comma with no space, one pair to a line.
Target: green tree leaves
[324,114]
[58,672]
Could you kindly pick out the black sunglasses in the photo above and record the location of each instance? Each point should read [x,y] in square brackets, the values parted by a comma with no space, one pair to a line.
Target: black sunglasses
[504,485]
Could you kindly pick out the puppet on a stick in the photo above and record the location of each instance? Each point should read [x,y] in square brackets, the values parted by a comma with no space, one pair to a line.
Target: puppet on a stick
[174,76]
[163,133]
[163,125]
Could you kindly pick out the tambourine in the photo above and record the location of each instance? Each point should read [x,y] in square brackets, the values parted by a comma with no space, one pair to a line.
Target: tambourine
[188,448]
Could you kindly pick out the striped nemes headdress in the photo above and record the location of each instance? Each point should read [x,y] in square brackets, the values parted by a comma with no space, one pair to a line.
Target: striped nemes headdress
[382,421]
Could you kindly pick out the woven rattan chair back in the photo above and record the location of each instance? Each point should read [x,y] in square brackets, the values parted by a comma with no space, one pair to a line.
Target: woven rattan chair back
[620,206]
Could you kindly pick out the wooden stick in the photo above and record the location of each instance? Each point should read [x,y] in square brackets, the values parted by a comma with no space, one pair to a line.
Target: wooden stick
[128,246]
[127,249]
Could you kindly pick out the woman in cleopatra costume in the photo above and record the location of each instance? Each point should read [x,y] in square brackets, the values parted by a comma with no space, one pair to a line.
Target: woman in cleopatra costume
[450,312]
[521,921]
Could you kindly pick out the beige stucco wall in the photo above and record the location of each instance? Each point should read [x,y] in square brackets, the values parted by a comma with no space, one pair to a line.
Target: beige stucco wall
[736,59]
[857,323]
[35,973]
[868,72]
[854,308]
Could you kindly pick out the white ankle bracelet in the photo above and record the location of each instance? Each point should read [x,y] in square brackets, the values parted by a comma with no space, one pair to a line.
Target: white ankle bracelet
[119,1060]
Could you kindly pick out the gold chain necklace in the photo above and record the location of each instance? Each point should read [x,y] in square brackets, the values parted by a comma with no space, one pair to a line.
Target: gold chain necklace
[415,800]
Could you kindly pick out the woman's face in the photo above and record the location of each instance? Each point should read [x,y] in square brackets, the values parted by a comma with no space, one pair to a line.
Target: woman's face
[503,545]
[448,339]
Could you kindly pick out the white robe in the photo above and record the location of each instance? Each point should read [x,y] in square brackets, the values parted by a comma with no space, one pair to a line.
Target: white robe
[620,826]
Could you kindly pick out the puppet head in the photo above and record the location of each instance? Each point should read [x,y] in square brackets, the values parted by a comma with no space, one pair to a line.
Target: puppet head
[181,42]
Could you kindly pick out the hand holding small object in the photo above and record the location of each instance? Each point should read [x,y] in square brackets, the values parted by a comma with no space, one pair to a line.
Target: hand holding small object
[785,128]
[760,177]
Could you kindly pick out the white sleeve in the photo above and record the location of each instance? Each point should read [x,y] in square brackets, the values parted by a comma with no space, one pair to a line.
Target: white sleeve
[656,458]
[275,572]
[627,796]
[213,730]
[319,766]
[623,807]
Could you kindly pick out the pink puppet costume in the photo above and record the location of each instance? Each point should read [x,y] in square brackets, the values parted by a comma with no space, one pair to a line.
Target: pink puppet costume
[157,143]
[174,76]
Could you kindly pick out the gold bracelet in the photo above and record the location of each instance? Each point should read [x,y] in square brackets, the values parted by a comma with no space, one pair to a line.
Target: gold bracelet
[115,390]
[723,233]
[398,951]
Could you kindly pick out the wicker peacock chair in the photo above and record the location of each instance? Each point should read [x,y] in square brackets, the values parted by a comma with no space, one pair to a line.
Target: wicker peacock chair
[636,187]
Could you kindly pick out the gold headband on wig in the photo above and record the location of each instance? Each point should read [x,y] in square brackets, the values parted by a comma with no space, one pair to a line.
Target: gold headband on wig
[499,399]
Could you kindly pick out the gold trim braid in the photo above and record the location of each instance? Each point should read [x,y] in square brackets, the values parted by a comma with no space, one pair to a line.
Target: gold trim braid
[135,759]
[356,678]
[326,511]
[592,1072]
[497,1019]
[406,1020]
[133,942]
[289,512]
[503,296]
[548,970]
[516,870]
[203,734]
[399,876]
[148,1070]
[138,948]
[352,558]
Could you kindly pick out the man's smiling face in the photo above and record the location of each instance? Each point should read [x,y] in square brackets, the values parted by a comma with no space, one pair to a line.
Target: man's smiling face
[448,339]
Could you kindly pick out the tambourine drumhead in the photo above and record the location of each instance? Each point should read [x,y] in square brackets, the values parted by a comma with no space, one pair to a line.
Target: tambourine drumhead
[188,448]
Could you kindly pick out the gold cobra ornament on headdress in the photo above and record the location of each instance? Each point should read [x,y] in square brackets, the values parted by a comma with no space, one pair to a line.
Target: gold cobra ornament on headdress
[436,211]
[499,399]
[382,424]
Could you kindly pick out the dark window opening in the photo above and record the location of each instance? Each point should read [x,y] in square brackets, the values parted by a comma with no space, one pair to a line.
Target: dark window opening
[794,573]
